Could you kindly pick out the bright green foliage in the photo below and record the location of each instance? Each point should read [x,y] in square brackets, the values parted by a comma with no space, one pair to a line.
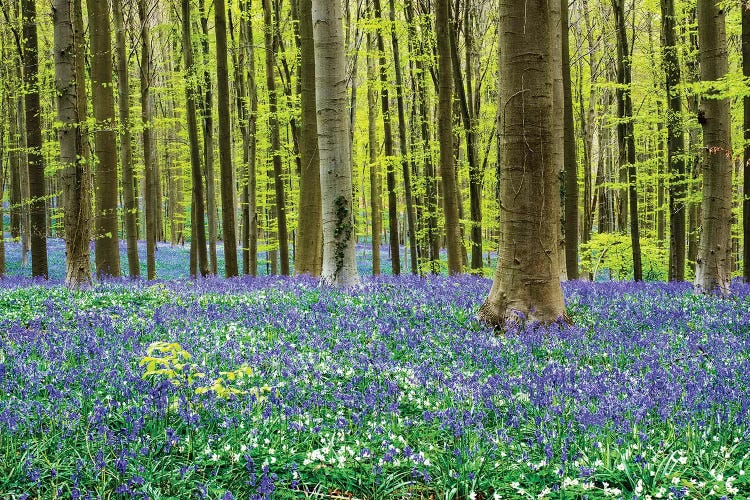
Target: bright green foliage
[611,254]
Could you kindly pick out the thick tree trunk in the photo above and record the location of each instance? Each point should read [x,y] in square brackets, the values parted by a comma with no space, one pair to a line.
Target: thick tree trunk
[106,234]
[76,197]
[625,132]
[309,251]
[130,201]
[527,280]
[445,135]
[713,264]
[675,144]
[198,253]
[339,236]
[570,166]
[372,146]
[225,144]
[37,205]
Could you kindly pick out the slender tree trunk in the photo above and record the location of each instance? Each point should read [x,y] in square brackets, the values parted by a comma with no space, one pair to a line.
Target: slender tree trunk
[126,152]
[37,205]
[388,145]
[250,256]
[278,181]
[625,131]
[198,232]
[405,167]
[206,105]
[372,146]
[149,150]
[570,161]
[445,134]
[107,242]
[527,280]
[713,264]
[746,149]
[339,236]
[76,197]
[2,184]
[675,144]
[309,254]
[225,144]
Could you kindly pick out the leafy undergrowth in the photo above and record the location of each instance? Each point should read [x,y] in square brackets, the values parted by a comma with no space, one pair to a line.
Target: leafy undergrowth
[275,388]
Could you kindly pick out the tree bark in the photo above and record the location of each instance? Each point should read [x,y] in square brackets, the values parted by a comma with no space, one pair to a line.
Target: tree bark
[390,175]
[75,194]
[35,163]
[746,149]
[713,264]
[339,236]
[149,149]
[250,243]
[625,132]
[445,135]
[570,167]
[107,243]
[527,280]
[225,143]
[675,143]
[130,201]
[309,254]
[372,146]
[198,252]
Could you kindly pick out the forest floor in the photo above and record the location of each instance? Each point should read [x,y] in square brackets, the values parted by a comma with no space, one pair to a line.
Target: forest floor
[276,388]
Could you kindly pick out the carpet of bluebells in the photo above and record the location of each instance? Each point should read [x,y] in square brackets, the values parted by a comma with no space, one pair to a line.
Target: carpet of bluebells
[276,388]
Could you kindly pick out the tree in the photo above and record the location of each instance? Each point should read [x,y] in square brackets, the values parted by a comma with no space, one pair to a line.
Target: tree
[278,181]
[309,254]
[675,143]
[75,182]
[129,196]
[150,174]
[339,257]
[626,133]
[746,149]
[445,136]
[38,206]
[570,164]
[713,264]
[372,146]
[107,251]
[198,254]
[527,280]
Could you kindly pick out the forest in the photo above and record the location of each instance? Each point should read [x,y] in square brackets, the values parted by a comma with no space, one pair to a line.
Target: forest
[340,249]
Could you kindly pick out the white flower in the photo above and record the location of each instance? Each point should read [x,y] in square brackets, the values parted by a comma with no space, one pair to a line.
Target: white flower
[621,466]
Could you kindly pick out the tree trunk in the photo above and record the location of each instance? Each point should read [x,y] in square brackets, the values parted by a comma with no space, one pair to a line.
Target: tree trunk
[713,264]
[445,135]
[225,144]
[372,146]
[570,162]
[198,231]
[390,176]
[675,144]
[309,254]
[206,105]
[37,204]
[250,243]
[527,280]
[107,242]
[625,132]
[405,167]
[746,149]
[76,197]
[339,236]
[126,151]
[149,150]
